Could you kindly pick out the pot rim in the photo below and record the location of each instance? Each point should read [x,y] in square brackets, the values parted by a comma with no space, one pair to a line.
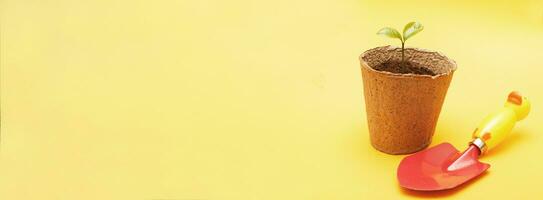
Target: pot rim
[365,65]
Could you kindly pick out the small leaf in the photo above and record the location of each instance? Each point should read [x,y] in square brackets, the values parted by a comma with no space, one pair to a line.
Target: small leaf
[390,32]
[410,29]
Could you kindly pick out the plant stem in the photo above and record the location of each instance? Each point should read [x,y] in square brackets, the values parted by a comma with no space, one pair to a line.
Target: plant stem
[402,52]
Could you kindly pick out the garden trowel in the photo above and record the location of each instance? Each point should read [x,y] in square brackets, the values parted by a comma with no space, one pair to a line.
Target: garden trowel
[443,167]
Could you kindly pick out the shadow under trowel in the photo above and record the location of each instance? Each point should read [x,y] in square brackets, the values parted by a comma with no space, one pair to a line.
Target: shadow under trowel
[514,138]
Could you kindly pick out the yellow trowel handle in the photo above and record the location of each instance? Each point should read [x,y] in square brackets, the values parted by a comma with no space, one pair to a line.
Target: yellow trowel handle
[496,126]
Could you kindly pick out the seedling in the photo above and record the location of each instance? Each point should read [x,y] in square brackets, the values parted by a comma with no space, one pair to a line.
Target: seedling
[409,30]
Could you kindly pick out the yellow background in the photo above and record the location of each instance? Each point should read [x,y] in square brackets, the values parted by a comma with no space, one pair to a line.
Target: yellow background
[246,99]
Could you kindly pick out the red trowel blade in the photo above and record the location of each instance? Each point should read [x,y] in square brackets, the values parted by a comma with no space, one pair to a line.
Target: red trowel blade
[440,167]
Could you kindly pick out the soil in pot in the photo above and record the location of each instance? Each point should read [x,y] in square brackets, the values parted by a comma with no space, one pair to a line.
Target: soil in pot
[405,67]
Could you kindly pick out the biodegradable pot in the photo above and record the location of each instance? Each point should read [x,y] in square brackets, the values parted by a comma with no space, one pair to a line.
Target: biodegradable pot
[402,109]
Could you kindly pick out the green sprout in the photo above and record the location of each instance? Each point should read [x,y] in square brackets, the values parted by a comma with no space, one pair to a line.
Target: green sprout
[410,29]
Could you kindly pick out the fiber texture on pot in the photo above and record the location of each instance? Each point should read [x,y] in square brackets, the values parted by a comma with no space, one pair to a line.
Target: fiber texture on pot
[402,109]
